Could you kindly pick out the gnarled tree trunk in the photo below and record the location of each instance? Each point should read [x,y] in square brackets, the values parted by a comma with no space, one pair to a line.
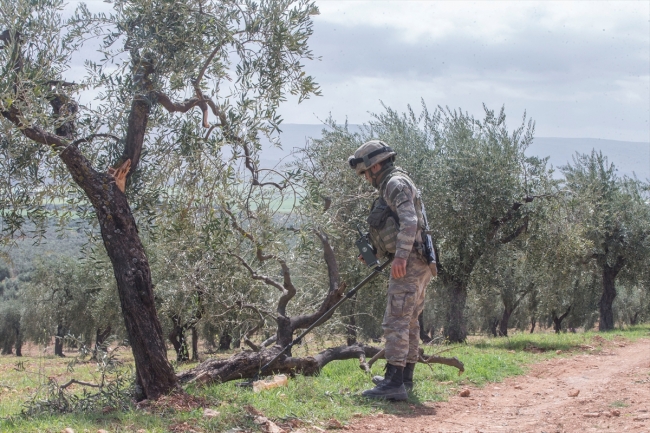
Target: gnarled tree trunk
[225,340]
[100,338]
[605,305]
[246,364]
[505,319]
[533,322]
[7,347]
[58,340]
[557,321]
[178,340]
[426,338]
[455,329]
[493,324]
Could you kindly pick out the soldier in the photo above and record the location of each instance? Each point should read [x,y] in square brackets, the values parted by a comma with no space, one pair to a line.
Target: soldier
[396,224]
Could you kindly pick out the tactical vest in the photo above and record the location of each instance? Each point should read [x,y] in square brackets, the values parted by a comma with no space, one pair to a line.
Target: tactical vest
[384,222]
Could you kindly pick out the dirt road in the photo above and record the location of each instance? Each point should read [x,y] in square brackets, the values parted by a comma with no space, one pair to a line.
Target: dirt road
[612,387]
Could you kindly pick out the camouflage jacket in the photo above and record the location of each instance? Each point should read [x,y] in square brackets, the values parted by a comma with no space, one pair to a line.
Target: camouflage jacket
[402,224]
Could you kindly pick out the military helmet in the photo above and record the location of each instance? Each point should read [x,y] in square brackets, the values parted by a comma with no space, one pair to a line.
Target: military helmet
[369,154]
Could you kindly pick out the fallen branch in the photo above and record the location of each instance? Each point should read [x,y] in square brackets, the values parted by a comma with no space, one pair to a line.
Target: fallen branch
[73,381]
[433,359]
[246,364]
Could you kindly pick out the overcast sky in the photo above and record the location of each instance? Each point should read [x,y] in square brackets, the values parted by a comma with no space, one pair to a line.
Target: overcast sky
[580,69]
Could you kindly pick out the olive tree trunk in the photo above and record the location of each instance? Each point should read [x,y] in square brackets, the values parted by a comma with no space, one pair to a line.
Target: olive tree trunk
[455,330]
[58,340]
[605,305]
[557,321]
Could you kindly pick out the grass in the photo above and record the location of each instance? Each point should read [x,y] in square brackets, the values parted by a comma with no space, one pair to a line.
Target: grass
[311,400]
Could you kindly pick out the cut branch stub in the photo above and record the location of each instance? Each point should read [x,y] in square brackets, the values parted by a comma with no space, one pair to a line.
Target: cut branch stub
[119,173]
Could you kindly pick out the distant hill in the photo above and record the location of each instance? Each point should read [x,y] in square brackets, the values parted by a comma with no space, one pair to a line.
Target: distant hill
[627,156]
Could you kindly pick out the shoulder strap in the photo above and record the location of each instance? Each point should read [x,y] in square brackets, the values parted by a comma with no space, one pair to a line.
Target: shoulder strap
[389,176]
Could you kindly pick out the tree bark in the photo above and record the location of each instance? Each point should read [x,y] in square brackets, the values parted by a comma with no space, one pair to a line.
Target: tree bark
[7,347]
[606,322]
[19,344]
[133,275]
[225,340]
[455,329]
[100,338]
[19,340]
[557,321]
[505,319]
[246,364]
[58,340]
[423,333]
[178,340]
[195,344]
[533,322]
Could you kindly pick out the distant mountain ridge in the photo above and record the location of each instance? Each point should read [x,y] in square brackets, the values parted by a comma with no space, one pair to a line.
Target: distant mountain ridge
[629,157]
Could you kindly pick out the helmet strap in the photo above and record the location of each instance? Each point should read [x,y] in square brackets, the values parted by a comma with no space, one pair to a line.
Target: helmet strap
[375,177]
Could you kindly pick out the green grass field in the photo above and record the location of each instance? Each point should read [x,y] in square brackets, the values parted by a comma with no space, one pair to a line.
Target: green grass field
[335,394]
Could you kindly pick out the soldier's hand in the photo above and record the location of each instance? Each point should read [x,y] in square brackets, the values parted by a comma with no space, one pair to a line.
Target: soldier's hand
[398,268]
[360,257]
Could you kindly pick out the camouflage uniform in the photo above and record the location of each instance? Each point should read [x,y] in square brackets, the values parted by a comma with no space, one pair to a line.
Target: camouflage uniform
[396,223]
[405,297]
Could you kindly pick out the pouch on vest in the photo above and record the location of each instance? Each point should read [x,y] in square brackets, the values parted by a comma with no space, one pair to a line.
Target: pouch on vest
[384,227]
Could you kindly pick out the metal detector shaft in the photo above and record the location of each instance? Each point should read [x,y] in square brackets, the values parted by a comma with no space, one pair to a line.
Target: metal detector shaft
[376,271]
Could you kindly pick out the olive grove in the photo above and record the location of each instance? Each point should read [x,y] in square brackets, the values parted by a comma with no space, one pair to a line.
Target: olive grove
[154,153]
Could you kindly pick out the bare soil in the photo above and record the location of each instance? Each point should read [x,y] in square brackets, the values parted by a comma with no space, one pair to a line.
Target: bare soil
[612,383]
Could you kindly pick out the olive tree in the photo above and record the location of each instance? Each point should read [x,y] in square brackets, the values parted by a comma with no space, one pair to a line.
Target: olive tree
[614,218]
[507,277]
[11,333]
[226,65]
[479,187]
[57,302]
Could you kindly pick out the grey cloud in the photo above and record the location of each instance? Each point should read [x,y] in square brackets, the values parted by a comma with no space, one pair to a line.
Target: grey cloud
[574,84]
[372,51]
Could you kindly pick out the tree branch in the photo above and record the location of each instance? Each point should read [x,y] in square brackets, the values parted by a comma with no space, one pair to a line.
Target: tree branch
[267,280]
[433,359]
[139,115]
[177,107]
[91,137]
[73,381]
[259,253]
[330,259]
[35,133]
[620,262]
[289,289]
[514,235]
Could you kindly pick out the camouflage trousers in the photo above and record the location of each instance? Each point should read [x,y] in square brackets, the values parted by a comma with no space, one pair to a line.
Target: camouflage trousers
[405,302]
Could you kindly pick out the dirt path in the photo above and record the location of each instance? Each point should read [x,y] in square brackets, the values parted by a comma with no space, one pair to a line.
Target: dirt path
[614,396]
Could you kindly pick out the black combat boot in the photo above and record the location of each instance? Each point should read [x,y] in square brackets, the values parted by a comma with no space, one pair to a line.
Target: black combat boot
[392,387]
[387,374]
[408,376]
